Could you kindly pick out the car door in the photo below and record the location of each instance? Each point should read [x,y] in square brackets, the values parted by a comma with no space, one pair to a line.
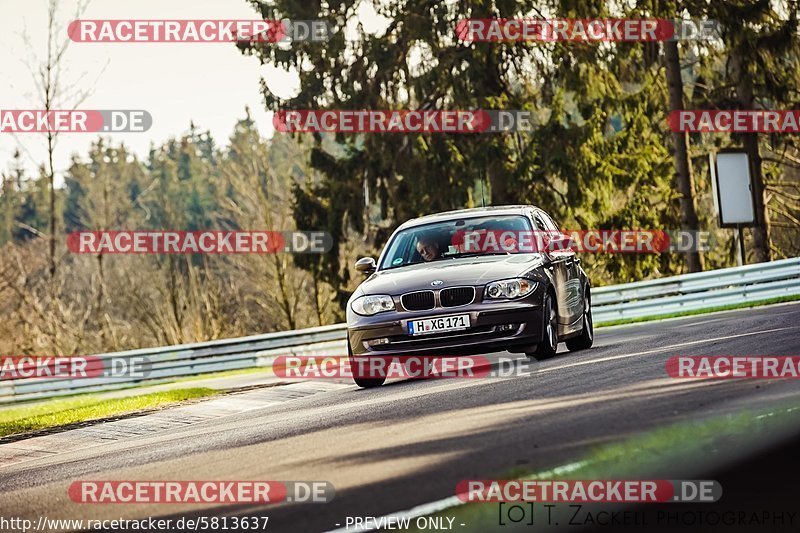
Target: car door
[568,290]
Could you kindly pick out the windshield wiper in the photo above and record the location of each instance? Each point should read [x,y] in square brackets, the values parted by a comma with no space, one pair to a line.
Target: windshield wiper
[476,254]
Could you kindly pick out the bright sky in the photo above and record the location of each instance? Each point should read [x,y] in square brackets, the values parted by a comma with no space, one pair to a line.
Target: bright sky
[209,83]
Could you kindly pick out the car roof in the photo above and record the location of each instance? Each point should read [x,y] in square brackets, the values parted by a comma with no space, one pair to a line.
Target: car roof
[467,213]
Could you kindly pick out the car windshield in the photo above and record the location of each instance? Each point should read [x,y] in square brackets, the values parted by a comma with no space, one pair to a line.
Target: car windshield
[446,240]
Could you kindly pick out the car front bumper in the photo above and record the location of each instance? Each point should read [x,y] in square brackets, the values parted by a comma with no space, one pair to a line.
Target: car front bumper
[494,326]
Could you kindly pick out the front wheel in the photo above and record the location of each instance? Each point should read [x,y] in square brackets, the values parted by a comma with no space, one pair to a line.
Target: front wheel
[363,382]
[368,383]
[586,338]
[547,348]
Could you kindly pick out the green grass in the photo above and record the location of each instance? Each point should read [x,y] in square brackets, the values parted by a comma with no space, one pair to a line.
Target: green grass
[163,381]
[688,444]
[61,412]
[730,307]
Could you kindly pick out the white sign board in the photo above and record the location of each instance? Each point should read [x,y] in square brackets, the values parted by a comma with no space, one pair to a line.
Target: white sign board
[733,196]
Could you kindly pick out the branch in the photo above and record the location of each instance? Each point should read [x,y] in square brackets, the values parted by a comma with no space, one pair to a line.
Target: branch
[31,229]
[786,214]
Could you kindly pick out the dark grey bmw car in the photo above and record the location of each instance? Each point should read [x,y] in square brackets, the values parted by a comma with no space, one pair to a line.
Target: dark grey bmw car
[429,294]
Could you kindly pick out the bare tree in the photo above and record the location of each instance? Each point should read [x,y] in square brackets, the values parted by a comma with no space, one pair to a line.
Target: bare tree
[53,93]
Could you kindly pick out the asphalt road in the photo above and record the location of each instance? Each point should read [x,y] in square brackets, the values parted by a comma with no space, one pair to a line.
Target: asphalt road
[410,442]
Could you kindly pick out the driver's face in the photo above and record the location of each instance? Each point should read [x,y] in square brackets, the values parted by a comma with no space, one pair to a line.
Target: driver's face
[428,250]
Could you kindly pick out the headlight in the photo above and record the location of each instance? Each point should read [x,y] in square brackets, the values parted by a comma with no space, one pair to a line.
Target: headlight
[370,305]
[509,288]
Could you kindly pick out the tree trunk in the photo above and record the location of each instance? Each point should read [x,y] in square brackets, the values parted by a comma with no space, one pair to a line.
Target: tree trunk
[498,187]
[683,165]
[744,91]
[51,179]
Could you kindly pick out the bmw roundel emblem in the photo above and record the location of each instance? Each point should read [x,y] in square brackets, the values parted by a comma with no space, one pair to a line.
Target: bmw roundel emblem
[436,282]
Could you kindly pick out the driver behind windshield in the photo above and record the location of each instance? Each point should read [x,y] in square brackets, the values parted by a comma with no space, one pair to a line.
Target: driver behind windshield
[428,248]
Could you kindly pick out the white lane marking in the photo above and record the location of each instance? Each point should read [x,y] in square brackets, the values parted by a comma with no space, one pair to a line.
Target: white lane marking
[451,501]
[662,349]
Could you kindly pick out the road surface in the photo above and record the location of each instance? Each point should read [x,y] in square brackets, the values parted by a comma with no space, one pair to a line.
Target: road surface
[410,442]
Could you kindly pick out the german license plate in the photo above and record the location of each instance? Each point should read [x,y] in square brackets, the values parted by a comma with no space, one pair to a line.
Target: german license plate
[426,326]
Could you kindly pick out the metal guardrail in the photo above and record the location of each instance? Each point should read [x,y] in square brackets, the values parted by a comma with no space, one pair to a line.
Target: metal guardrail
[689,292]
[686,292]
[170,362]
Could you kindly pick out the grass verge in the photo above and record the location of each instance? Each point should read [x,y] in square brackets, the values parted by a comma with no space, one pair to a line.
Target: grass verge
[691,445]
[730,307]
[61,412]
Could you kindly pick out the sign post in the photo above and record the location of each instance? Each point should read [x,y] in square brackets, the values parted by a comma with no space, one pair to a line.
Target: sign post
[733,193]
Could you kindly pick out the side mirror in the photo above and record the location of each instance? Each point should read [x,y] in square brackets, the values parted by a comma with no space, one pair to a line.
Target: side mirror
[366,265]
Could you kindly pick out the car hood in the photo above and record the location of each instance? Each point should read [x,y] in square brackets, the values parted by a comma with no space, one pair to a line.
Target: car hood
[466,271]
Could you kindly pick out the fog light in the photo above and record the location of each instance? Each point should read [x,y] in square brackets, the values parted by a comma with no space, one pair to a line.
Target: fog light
[378,342]
[506,327]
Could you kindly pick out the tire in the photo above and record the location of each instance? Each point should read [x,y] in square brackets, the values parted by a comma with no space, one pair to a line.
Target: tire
[586,338]
[368,383]
[549,345]
[364,383]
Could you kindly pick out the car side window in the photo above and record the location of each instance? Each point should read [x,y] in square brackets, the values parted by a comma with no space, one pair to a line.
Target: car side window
[548,222]
[540,224]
